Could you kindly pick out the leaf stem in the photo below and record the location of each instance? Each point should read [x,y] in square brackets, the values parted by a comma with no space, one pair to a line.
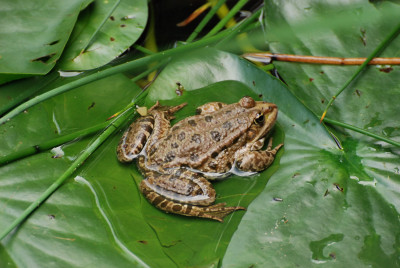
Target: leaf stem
[111,128]
[230,15]
[362,131]
[376,51]
[205,20]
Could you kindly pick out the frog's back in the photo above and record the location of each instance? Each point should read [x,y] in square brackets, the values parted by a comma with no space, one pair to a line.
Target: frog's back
[196,140]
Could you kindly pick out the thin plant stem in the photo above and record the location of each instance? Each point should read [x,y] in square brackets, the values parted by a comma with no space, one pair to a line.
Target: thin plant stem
[376,51]
[205,20]
[143,49]
[111,128]
[362,131]
[230,15]
[29,89]
[239,28]
[113,70]
[268,57]
[51,143]
[66,138]
[101,25]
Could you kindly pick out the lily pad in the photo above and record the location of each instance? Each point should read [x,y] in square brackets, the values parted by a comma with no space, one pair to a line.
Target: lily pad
[338,208]
[33,35]
[87,49]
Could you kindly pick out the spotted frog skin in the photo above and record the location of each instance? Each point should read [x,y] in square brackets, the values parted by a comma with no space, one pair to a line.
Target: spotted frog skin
[178,161]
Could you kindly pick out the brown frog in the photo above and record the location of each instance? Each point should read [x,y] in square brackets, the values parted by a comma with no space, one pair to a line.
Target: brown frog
[178,161]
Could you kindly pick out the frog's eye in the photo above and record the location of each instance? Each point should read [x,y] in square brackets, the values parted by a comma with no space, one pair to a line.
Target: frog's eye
[259,119]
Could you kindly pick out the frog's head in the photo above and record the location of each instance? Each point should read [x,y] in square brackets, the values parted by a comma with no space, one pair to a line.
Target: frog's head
[263,116]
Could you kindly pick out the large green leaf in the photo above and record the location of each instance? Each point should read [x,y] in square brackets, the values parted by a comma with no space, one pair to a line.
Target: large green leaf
[338,209]
[33,35]
[87,50]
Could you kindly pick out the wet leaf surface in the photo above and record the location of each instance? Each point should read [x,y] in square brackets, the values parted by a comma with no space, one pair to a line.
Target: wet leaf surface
[338,208]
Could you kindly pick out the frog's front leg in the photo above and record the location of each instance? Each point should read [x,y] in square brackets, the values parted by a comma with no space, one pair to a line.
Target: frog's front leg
[183,192]
[134,138]
[255,160]
[147,129]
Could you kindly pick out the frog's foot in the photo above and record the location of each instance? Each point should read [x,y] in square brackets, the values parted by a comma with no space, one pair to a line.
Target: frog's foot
[257,160]
[214,212]
[170,110]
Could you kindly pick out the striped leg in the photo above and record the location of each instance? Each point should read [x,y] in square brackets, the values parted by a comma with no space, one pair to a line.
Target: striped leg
[134,139]
[184,192]
[214,212]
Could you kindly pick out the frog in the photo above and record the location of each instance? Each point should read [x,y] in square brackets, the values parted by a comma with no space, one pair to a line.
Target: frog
[179,162]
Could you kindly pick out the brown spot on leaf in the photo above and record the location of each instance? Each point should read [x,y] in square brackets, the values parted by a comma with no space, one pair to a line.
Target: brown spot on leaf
[295,175]
[44,59]
[338,187]
[53,43]
[91,105]
[326,192]
[386,69]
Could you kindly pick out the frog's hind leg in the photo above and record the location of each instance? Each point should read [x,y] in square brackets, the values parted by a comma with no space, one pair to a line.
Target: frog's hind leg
[214,212]
[134,139]
[183,192]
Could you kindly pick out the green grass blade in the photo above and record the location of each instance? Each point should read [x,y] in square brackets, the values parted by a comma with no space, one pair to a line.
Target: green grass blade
[205,20]
[362,131]
[392,35]
[230,15]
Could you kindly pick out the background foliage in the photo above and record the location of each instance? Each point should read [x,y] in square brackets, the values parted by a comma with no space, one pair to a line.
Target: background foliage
[317,204]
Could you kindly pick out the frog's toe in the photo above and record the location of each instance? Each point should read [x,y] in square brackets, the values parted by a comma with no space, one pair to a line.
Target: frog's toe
[216,212]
